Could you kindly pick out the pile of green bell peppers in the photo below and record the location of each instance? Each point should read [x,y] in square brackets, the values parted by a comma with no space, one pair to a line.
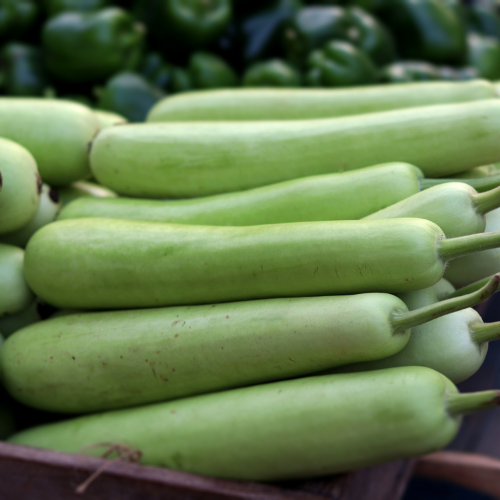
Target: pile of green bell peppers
[124,55]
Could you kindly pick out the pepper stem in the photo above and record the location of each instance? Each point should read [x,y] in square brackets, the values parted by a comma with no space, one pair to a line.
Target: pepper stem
[480,184]
[452,248]
[488,201]
[485,332]
[457,404]
[404,321]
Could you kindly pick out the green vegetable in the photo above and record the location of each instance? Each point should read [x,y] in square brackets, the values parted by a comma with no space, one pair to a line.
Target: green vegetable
[57,133]
[111,38]
[54,7]
[476,173]
[454,345]
[272,73]
[480,184]
[298,428]
[20,194]
[455,207]
[259,33]
[284,104]
[427,30]
[371,36]
[323,197]
[12,323]
[311,28]
[108,119]
[17,17]
[483,53]
[467,270]
[23,70]
[156,70]
[483,20]
[185,160]
[339,64]
[84,189]
[48,209]
[208,71]
[130,95]
[83,359]
[110,263]
[15,294]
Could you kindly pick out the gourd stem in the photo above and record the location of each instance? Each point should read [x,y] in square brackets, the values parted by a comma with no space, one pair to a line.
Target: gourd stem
[480,184]
[469,288]
[402,321]
[457,404]
[452,248]
[485,332]
[488,201]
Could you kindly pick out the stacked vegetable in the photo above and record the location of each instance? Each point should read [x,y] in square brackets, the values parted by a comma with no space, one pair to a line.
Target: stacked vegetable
[124,56]
[263,300]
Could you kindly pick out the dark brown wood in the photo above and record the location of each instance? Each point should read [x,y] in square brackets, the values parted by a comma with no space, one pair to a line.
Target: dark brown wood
[476,472]
[33,474]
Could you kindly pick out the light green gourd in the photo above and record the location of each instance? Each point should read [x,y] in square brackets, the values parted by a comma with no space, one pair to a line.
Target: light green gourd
[100,361]
[20,194]
[186,160]
[84,189]
[117,264]
[294,429]
[300,104]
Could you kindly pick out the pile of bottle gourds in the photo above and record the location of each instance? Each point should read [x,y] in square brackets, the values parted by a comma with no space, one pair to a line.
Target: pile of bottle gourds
[254,284]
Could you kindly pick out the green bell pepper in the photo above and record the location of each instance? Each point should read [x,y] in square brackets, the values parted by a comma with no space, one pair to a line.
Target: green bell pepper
[273,73]
[207,71]
[92,46]
[260,33]
[129,95]
[483,21]
[163,75]
[428,30]
[54,7]
[16,18]
[483,53]
[23,70]
[371,36]
[339,64]
[311,27]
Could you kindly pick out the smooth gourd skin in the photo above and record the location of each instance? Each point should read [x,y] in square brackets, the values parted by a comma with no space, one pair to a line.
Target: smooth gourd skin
[343,196]
[108,119]
[300,104]
[84,189]
[47,211]
[57,133]
[185,160]
[299,428]
[20,193]
[466,270]
[101,361]
[450,206]
[15,294]
[115,264]
[445,344]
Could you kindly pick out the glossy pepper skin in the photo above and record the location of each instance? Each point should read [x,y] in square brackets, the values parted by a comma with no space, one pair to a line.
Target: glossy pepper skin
[272,73]
[339,64]
[311,27]
[163,75]
[16,18]
[207,71]
[23,70]
[54,7]
[483,53]
[260,32]
[483,21]
[428,30]
[129,95]
[371,36]
[112,41]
